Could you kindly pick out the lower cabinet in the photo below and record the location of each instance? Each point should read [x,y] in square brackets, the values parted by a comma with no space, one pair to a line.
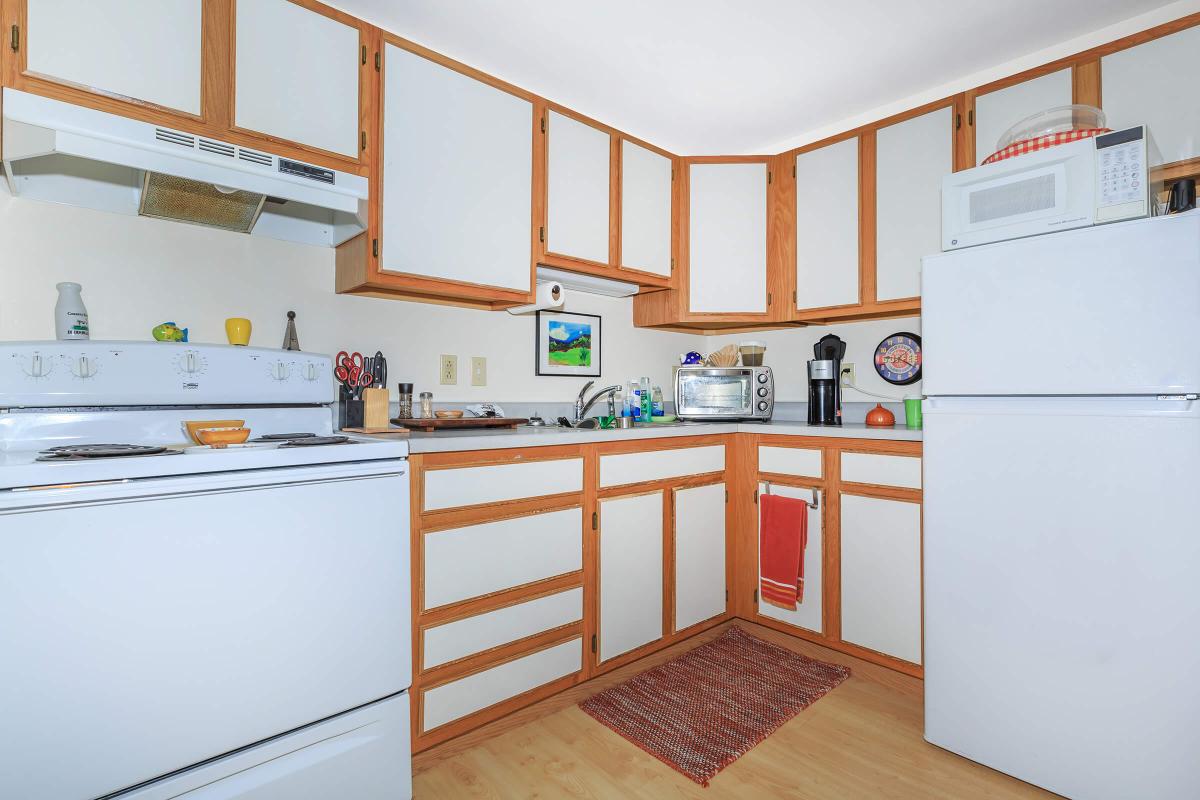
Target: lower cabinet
[808,612]
[631,573]
[699,534]
[881,575]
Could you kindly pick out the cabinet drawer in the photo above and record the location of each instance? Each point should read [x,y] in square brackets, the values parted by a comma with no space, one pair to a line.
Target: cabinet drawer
[625,468]
[881,575]
[790,461]
[454,640]
[475,560]
[470,486]
[457,699]
[902,471]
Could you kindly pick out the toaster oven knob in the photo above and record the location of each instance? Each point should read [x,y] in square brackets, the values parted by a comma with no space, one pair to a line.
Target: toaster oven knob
[762,405]
[762,378]
[762,391]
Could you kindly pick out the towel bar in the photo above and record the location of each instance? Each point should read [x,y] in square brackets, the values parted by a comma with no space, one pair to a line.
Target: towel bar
[816,501]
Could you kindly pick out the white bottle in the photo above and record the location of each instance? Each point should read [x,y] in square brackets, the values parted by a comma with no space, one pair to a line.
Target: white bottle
[70,315]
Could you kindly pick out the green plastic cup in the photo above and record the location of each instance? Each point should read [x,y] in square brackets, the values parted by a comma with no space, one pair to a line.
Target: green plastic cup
[912,412]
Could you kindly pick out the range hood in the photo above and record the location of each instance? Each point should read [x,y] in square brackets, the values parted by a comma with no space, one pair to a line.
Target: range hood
[64,153]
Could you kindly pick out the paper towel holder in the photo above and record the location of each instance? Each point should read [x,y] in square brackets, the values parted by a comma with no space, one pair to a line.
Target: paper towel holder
[548,295]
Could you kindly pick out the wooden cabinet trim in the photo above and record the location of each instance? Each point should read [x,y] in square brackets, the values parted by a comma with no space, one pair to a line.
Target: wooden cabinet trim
[453,612]
[494,656]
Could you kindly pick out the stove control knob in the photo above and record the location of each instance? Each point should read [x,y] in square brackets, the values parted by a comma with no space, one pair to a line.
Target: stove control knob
[37,367]
[762,405]
[762,391]
[84,367]
[762,377]
[280,371]
[310,373]
[191,363]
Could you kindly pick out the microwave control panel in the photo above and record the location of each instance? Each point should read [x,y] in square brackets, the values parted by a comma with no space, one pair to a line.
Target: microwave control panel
[1121,179]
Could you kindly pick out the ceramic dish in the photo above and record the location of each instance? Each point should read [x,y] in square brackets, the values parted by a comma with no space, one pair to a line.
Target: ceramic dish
[448,414]
[222,437]
[665,418]
[195,425]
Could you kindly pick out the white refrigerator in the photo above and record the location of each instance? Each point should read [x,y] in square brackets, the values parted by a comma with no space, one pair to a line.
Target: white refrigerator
[1061,533]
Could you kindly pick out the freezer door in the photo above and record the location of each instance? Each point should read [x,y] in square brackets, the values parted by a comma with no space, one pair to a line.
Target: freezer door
[1061,564]
[1108,310]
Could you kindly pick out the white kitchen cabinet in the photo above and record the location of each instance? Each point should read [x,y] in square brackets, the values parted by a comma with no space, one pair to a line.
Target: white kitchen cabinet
[645,210]
[882,470]
[727,238]
[631,573]
[621,469]
[827,226]
[577,188]
[911,158]
[296,75]
[996,112]
[145,50]
[808,612]
[799,461]
[1155,84]
[458,487]
[699,554]
[457,191]
[881,575]
[480,690]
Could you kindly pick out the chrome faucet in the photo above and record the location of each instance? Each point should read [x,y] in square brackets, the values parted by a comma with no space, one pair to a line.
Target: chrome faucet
[582,406]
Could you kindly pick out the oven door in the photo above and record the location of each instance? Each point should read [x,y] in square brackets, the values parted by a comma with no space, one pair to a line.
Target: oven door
[714,393]
[152,624]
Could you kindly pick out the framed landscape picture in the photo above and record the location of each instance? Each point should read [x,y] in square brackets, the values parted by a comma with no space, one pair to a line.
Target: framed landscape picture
[568,344]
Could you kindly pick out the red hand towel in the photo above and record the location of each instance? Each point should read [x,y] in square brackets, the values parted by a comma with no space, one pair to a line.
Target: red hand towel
[782,537]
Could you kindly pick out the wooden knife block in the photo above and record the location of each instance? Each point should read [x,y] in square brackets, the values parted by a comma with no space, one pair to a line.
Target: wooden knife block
[375,408]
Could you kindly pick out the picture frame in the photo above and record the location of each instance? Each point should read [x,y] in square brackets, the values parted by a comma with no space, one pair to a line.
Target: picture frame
[568,344]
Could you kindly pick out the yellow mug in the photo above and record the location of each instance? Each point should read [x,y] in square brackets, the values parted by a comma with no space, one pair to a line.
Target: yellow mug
[237,330]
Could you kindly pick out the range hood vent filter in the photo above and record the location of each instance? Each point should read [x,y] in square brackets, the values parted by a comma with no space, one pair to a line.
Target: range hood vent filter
[186,200]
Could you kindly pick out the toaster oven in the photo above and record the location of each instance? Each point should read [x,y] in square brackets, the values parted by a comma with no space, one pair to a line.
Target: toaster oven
[724,393]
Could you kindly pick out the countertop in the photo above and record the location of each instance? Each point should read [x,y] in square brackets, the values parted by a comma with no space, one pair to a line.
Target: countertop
[496,439]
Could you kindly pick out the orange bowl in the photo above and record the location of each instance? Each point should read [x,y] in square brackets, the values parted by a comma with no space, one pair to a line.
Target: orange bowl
[220,437]
[197,425]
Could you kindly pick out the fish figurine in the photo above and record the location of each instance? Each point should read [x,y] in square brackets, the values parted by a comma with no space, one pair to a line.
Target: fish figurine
[169,332]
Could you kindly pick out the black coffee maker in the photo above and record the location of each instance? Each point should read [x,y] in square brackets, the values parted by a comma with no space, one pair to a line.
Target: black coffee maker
[824,381]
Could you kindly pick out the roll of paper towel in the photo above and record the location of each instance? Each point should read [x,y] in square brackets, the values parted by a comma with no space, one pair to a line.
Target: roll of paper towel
[549,294]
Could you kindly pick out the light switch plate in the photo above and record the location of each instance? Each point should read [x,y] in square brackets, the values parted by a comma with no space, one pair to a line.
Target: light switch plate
[448,371]
[478,371]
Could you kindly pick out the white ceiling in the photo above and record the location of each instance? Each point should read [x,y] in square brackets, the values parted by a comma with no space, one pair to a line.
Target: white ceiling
[726,77]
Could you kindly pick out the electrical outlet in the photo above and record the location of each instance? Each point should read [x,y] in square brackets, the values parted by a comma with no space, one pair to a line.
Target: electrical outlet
[448,371]
[847,377]
[478,371]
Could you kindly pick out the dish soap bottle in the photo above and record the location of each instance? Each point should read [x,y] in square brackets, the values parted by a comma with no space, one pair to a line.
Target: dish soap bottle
[646,398]
[70,315]
[656,398]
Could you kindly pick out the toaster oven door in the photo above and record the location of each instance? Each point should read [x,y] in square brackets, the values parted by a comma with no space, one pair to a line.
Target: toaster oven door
[714,393]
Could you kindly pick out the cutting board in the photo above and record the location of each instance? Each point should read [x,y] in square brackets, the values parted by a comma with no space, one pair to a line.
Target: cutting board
[465,423]
[386,431]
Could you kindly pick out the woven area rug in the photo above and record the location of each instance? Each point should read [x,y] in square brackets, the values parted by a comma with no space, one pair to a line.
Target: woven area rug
[705,709]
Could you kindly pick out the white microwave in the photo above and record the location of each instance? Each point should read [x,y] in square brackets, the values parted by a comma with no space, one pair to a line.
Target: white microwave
[1105,178]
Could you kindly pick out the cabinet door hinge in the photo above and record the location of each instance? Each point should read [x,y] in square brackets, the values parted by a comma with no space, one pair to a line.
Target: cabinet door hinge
[543,124]
[595,520]
[769,298]
[378,61]
[726,495]
[726,595]
[793,170]
[957,121]
[375,248]
[541,234]
[768,177]
[672,172]
[363,138]
[971,117]
[794,300]
[756,595]
[364,54]
[756,497]
[672,263]
[15,40]
[593,642]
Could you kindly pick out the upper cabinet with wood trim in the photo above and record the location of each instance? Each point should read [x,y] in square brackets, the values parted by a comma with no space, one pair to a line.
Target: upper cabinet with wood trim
[296,74]
[911,157]
[827,226]
[138,51]
[454,189]
[578,186]
[998,110]
[646,206]
[1155,84]
[727,238]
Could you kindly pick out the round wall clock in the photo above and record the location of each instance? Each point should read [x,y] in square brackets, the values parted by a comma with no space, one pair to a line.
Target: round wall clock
[898,359]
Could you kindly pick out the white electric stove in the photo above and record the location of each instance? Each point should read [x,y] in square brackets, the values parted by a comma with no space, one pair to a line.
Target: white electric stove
[188,622]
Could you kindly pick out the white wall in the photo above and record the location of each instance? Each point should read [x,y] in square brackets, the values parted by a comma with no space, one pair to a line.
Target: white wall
[789,350]
[138,272]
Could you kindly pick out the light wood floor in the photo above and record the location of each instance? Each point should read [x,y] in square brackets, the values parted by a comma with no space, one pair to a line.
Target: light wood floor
[862,740]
